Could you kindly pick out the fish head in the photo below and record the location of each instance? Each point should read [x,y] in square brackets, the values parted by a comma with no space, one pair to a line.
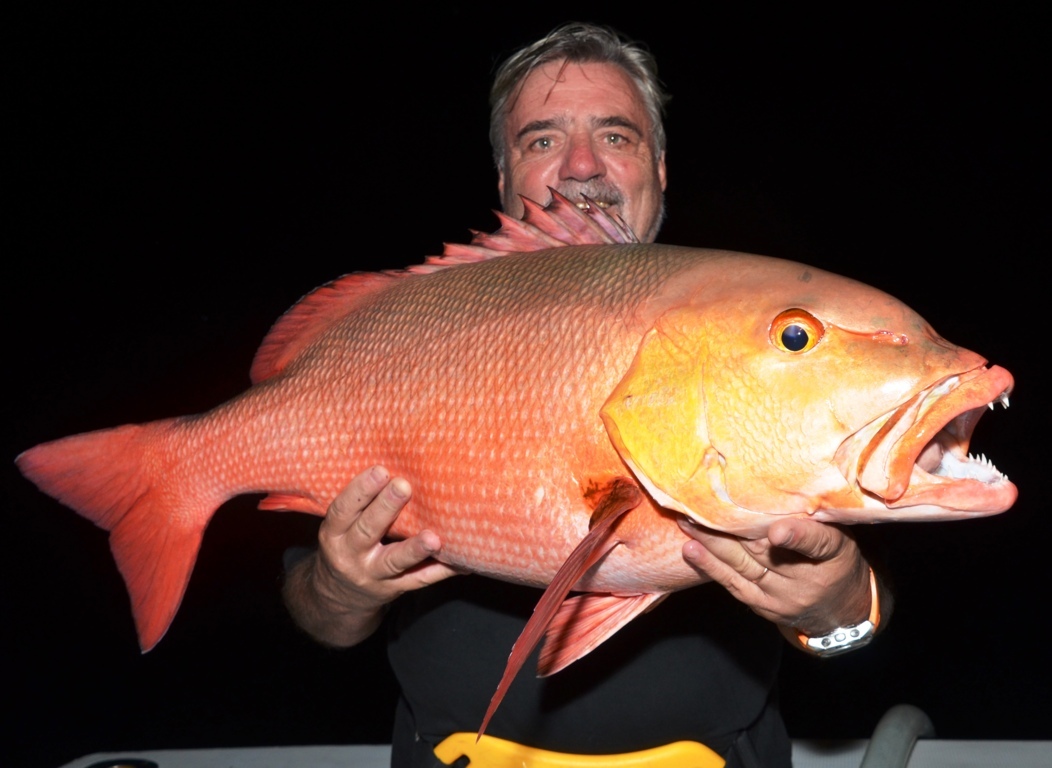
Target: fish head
[779,389]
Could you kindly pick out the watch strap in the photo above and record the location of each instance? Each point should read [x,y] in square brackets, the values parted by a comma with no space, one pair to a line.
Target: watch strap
[844,639]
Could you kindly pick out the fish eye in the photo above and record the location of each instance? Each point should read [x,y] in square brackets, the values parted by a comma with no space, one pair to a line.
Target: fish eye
[795,331]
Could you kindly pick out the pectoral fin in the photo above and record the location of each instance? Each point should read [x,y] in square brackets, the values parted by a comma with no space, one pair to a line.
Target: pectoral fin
[291,502]
[622,496]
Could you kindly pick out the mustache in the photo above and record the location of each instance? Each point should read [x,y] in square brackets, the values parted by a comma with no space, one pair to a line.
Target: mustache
[595,189]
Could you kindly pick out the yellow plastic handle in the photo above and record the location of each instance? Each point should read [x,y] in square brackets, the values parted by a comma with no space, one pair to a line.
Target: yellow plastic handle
[492,752]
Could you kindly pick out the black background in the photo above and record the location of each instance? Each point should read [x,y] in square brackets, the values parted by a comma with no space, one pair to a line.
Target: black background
[174,180]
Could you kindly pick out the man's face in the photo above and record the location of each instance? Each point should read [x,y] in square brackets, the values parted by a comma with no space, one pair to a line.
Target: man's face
[582,129]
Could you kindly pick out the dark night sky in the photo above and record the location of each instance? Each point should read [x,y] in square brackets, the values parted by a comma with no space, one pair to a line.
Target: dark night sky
[175,182]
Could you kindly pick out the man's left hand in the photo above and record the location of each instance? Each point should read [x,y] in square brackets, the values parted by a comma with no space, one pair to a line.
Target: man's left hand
[806,575]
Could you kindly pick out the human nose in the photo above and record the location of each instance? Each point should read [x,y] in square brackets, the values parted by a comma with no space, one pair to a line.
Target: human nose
[582,162]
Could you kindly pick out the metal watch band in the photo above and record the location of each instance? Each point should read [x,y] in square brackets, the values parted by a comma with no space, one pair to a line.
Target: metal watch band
[844,639]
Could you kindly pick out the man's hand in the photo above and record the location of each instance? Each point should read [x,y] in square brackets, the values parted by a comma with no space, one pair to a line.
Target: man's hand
[340,593]
[806,575]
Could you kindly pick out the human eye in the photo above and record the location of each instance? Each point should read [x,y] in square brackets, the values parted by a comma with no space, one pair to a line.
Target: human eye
[541,144]
[618,140]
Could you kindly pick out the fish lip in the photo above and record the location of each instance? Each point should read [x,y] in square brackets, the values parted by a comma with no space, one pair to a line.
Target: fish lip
[934,430]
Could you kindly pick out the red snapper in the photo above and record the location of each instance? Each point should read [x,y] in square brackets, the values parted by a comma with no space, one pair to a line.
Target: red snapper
[558,395]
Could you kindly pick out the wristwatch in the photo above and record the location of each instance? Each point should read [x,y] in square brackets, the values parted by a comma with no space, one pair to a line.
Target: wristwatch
[844,639]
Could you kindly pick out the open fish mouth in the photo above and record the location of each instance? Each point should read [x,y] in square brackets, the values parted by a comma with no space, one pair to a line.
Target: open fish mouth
[916,461]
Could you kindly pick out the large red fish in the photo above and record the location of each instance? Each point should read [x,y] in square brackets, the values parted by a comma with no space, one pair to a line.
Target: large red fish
[557,397]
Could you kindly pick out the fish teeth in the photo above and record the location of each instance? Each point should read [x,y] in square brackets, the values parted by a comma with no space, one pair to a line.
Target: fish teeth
[1002,399]
[974,467]
[986,464]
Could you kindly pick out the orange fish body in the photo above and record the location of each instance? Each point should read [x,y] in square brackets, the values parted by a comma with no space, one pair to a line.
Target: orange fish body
[555,411]
[491,414]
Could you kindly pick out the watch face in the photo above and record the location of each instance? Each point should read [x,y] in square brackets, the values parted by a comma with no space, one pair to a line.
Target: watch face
[840,640]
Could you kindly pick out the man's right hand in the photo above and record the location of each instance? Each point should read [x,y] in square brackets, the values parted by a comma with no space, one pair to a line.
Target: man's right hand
[340,593]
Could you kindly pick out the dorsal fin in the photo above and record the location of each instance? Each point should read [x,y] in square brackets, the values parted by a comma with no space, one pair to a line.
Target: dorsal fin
[311,315]
[557,224]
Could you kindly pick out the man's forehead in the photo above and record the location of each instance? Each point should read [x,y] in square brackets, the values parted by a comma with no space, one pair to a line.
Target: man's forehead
[597,93]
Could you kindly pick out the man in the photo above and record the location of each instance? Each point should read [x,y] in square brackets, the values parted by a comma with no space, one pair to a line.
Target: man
[580,111]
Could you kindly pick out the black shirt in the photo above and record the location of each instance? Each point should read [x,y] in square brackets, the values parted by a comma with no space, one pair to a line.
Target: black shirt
[700,666]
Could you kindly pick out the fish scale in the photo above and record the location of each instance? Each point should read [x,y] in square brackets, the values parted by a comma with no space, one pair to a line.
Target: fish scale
[494,407]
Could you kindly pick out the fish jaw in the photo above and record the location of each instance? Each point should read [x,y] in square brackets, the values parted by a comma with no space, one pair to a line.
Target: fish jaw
[914,462]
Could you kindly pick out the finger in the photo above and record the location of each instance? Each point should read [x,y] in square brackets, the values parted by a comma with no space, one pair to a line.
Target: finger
[423,575]
[738,586]
[813,540]
[728,563]
[718,550]
[399,557]
[407,565]
[372,524]
[353,499]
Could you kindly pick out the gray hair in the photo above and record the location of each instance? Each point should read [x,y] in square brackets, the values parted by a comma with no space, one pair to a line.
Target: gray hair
[576,43]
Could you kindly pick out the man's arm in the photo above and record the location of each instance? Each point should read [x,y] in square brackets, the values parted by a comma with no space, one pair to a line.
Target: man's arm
[805,575]
[340,593]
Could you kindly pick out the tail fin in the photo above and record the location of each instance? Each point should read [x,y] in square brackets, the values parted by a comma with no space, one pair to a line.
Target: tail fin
[117,479]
